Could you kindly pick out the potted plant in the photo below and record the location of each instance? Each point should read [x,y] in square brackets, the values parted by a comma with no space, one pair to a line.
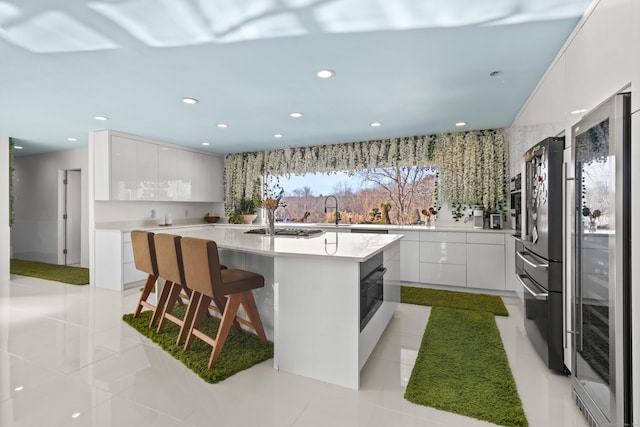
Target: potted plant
[247,208]
[235,218]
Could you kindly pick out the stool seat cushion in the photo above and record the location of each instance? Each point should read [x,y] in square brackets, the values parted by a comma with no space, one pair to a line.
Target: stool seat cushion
[234,280]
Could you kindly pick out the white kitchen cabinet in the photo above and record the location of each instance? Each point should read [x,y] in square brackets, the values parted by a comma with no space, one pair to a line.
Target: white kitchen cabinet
[147,171]
[133,168]
[208,178]
[185,174]
[409,255]
[123,169]
[114,265]
[168,174]
[129,271]
[443,258]
[443,274]
[485,261]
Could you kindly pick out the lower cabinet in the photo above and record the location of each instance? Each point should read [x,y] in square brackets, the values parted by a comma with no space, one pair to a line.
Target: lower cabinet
[485,266]
[114,266]
[443,258]
[460,259]
[410,255]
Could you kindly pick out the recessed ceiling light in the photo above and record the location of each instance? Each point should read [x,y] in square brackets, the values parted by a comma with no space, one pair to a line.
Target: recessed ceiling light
[75,415]
[19,388]
[496,73]
[101,118]
[277,135]
[375,124]
[206,144]
[17,147]
[296,115]
[72,139]
[579,111]
[191,101]
[222,125]
[461,124]
[325,74]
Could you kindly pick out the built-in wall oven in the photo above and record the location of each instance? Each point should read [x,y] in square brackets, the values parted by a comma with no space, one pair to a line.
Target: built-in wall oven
[371,288]
[371,281]
[516,201]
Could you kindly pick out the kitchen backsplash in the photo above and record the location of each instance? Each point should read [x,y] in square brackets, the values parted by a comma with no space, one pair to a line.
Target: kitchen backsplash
[149,213]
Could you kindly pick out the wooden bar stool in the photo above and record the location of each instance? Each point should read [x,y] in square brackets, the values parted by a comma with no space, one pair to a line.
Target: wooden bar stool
[144,257]
[170,268]
[232,287]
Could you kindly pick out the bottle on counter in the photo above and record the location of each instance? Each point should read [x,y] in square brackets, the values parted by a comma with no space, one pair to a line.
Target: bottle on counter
[168,220]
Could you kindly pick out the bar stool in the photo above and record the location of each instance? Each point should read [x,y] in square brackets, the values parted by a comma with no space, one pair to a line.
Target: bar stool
[170,268]
[209,282]
[144,257]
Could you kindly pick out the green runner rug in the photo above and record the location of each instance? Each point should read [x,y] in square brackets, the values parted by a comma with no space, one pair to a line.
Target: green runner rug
[462,368]
[54,272]
[453,299]
[241,350]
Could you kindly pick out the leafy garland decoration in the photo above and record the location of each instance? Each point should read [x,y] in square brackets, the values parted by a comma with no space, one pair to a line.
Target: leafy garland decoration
[472,165]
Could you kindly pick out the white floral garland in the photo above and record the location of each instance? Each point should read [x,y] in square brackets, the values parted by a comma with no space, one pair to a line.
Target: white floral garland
[473,165]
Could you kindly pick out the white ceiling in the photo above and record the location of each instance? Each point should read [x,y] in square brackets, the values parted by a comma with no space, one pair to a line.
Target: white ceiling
[416,66]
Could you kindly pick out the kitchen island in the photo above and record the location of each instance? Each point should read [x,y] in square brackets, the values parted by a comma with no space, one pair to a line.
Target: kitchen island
[310,305]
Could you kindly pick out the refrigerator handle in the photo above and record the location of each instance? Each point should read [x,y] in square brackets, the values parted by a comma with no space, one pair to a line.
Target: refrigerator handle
[522,256]
[537,295]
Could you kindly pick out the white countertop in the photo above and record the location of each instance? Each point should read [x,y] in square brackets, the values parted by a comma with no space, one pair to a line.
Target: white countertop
[462,228]
[343,246]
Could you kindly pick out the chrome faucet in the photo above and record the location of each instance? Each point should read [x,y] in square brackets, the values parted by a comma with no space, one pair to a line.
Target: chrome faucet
[332,207]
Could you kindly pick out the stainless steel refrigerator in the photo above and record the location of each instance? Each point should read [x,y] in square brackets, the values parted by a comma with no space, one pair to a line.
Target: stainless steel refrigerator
[601,375]
[540,274]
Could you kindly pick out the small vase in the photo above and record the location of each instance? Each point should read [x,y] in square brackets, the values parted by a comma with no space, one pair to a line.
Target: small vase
[271,221]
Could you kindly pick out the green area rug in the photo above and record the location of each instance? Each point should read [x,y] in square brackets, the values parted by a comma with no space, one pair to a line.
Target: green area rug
[241,350]
[452,299]
[55,272]
[462,368]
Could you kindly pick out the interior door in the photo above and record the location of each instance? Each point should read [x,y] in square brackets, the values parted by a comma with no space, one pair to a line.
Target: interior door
[72,217]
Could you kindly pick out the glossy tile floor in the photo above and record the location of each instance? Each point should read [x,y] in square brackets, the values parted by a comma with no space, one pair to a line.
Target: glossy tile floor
[67,359]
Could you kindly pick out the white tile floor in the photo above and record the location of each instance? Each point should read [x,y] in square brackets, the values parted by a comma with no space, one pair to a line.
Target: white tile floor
[67,359]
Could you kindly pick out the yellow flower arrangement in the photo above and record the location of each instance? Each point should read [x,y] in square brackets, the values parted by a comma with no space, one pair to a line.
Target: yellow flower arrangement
[270,203]
[272,193]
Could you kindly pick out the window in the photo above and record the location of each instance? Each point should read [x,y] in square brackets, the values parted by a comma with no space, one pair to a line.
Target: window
[362,196]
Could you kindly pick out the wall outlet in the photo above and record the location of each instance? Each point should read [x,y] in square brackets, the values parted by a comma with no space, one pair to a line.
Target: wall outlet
[153,213]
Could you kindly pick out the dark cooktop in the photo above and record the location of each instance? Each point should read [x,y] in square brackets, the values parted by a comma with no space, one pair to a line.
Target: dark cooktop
[300,232]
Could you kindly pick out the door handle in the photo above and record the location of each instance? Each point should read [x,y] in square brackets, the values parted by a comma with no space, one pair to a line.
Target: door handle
[523,257]
[519,239]
[537,295]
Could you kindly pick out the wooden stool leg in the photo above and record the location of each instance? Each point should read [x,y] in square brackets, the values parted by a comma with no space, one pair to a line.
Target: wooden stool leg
[221,303]
[162,300]
[201,308]
[230,311]
[146,290]
[188,317]
[251,309]
[174,293]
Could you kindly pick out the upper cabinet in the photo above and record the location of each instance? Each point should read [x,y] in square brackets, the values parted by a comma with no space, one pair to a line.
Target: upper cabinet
[134,170]
[127,168]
